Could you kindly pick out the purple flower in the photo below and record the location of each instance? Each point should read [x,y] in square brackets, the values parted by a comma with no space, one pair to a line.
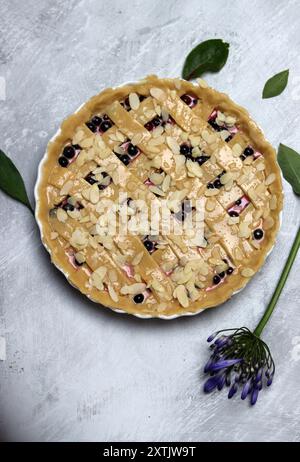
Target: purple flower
[239,359]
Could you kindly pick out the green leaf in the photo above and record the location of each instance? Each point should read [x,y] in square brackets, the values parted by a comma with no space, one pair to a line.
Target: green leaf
[276,84]
[11,181]
[208,56]
[289,161]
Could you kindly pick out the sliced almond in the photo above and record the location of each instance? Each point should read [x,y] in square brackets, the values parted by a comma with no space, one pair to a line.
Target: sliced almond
[173,145]
[157,93]
[61,215]
[247,272]
[137,258]
[80,257]
[270,179]
[181,294]
[53,235]
[134,101]
[94,194]
[113,294]
[210,204]
[133,289]
[66,188]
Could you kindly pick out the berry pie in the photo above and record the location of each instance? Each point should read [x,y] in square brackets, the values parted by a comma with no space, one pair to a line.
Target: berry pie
[185,152]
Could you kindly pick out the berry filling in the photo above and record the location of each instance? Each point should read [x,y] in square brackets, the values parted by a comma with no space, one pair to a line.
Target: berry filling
[249,151]
[140,298]
[130,152]
[158,121]
[126,104]
[258,234]
[150,244]
[69,154]
[216,183]
[99,124]
[220,277]
[239,205]
[221,125]
[187,151]
[189,99]
[69,203]
[102,179]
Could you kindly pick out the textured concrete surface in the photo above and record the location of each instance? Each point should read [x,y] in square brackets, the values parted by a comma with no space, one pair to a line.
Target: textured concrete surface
[74,371]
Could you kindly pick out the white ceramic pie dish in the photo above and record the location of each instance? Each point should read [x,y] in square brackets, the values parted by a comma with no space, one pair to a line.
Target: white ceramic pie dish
[138,315]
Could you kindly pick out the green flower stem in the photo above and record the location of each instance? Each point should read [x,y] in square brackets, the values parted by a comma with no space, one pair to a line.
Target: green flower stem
[282,280]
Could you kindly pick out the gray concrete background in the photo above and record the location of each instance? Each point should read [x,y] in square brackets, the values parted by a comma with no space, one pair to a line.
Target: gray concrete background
[74,371]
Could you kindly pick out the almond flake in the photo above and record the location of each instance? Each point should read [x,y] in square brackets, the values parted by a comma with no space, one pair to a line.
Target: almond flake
[53,235]
[247,272]
[157,93]
[173,145]
[224,134]
[112,293]
[133,289]
[137,259]
[210,205]
[270,179]
[61,215]
[225,178]
[80,257]
[94,194]
[181,295]
[134,101]
[166,183]
[66,188]
[156,190]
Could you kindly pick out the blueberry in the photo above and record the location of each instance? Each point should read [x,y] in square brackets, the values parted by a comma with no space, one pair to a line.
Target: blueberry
[238,202]
[210,186]
[185,149]
[258,234]
[68,206]
[139,298]
[96,120]
[89,178]
[217,184]
[186,99]
[132,150]
[202,159]
[63,161]
[149,126]
[91,126]
[222,275]
[69,152]
[229,270]
[248,151]
[76,147]
[229,138]
[149,245]
[215,126]
[216,279]
[77,263]
[105,125]
[125,159]
[242,157]
[156,121]
[233,213]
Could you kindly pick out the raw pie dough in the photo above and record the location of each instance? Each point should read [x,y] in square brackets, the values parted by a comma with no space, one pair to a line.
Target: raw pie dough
[159,139]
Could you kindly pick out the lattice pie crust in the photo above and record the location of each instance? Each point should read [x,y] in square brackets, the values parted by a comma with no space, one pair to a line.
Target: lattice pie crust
[155,140]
